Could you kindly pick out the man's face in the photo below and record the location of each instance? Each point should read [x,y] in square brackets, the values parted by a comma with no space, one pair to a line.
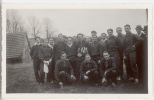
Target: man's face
[80,37]
[51,42]
[94,39]
[38,40]
[127,29]
[75,38]
[106,56]
[46,42]
[103,36]
[138,30]
[93,34]
[110,33]
[63,56]
[88,39]
[69,40]
[60,37]
[119,31]
[87,58]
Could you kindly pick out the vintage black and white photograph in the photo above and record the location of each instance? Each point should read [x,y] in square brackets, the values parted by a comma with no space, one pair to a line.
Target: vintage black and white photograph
[77,51]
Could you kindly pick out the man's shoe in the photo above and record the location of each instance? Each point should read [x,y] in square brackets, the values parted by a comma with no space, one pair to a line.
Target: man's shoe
[118,78]
[105,84]
[136,81]
[131,79]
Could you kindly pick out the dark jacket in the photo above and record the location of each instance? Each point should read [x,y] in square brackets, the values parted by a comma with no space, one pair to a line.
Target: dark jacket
[94,49]
[121,38]
[109,65]
[141,48]
[130,40]
[79,60]
[71,51]
[83,47]
[86,66]
[34,53]
[46,53]
[103,47]
[59,47]
[63,66]
[113,44]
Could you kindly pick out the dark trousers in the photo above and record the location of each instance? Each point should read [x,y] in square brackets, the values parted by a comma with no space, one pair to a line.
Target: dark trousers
[65,78]
[36,65]
[120,68]
[53,69]
[77,73]
[92,77]
[72,62]
[111,75]
[42,73]
[116,56]
[131,68]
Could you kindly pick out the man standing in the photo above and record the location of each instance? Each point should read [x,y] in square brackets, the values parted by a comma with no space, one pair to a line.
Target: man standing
[131,41]
[89,70]
[64,71]
[71,52]
[113,47]
[108,69]
[103,44]
[58,48]
[46,55]
[82,46]
[141,52]
[121,38]
[34,53]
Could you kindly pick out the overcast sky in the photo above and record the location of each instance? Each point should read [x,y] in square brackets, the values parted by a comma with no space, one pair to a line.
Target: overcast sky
[72,22]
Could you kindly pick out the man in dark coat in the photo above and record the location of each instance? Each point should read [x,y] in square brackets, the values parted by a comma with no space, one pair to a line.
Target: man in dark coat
[89,71]
[58,48]
[64,71]
[46,55]
[130,43]
[121,38]
[34,53]
[141,53]
[108,69]
[113,48]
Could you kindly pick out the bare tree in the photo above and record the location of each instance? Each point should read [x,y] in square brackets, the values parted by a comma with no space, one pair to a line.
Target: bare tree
[34,25]
[48,27]
[13,22]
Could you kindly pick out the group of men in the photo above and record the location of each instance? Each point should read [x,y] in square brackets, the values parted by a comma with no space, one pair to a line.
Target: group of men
[92,60]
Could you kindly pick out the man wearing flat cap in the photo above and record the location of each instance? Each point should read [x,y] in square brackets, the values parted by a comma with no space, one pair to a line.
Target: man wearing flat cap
[140,52]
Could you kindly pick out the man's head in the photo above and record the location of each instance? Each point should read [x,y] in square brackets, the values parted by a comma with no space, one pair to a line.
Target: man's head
[94,38]
[119,30]
[69,40]
[74,38]
[87,57]
[138,29]
[110,32]
[88,39]
[60,37]
[51,41]
[46,42]
[106,55]
[93,33]
[37,39]
[145,29]
[80,36]
[127,28]
[103,36]
[63,55]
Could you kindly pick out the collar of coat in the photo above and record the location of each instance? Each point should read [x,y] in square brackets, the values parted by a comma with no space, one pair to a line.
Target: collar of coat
[37,44]
[50,46]
[103,40]
[70,45]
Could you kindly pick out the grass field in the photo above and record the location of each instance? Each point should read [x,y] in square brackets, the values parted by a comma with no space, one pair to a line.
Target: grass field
[20,79]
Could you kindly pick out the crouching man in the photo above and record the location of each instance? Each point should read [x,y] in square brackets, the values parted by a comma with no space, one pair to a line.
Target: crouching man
[89,71]
[64,71]
[108,69]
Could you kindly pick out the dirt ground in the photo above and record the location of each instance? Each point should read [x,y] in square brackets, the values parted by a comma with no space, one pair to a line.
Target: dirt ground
[20,79]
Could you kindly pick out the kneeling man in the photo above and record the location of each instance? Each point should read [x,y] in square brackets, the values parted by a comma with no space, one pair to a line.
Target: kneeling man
[64,71]
[89,70]
[108,69]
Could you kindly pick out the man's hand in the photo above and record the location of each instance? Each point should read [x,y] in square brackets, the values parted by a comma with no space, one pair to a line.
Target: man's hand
[124,57]
[85,77]
[87,72]
[133,47]
[50,60]
[72,77]
[45,62]
[99,61]
[103,80]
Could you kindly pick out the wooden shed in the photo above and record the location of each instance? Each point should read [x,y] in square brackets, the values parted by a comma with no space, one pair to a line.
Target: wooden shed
[17,48]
